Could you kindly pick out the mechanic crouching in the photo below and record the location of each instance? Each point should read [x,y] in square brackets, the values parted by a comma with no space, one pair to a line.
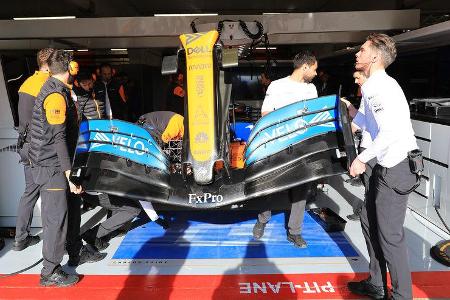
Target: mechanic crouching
[163,126]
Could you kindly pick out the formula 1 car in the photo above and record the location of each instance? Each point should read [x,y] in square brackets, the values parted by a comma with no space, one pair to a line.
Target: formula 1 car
[299,143]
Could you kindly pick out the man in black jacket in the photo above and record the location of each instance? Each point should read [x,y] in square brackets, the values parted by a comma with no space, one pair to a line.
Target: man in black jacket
[112,93]
[53,135]
[87,103]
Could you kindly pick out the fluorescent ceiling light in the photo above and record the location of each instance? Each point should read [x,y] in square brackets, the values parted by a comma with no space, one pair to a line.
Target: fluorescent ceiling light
[82,50]
[44,18]
[186,15]
[119,49]
[68,50]
[264,48]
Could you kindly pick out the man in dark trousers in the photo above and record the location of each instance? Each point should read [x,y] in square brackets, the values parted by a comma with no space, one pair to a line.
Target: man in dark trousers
[112,93]
[53,136]
[122,210]
[91,108]
[27,96]
[384,113]
[88,106]
[280,93]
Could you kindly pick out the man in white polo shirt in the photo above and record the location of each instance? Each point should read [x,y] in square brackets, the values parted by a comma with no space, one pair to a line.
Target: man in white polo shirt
[280,93]
[293,88]
[385,115]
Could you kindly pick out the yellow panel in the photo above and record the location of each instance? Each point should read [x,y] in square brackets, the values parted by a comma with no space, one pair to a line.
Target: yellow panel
[200,91]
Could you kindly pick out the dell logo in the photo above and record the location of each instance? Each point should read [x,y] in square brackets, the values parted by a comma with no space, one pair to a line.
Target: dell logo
[196,50]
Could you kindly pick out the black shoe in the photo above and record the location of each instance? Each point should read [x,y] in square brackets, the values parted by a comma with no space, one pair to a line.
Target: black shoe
[353,217]
[30,240]
[101,244]
[87,255]
[365,288]
[163,223]
[297,240]
[258,230]
[90,237]
[59,278]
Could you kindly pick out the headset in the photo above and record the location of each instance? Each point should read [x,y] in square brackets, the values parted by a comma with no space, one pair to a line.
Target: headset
[73,68]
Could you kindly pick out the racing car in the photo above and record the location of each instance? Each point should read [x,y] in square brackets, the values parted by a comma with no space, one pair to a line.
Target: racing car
[299,143]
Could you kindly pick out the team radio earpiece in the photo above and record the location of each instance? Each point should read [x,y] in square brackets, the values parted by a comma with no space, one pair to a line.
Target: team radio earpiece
[73,68]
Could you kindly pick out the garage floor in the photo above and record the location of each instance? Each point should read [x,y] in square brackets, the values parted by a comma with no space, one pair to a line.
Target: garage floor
[211,255]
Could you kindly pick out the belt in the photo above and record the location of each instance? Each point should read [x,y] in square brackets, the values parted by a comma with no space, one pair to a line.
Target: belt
[386,168]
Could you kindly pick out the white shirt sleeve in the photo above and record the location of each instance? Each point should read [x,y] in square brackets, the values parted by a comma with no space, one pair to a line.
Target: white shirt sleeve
[384,110]
[269,100]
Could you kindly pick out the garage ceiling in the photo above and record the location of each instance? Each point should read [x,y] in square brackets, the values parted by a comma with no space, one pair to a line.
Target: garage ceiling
[321,25]
[135,8]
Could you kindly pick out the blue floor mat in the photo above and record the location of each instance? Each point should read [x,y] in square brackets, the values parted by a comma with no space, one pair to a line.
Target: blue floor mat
[227,234]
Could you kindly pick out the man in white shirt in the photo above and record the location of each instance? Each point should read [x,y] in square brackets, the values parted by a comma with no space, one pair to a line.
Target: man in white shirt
[293,88]
[280,93]
[385,115]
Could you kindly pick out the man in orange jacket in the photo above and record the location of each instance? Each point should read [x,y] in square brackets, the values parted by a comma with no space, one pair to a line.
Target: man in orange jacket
[27,96]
